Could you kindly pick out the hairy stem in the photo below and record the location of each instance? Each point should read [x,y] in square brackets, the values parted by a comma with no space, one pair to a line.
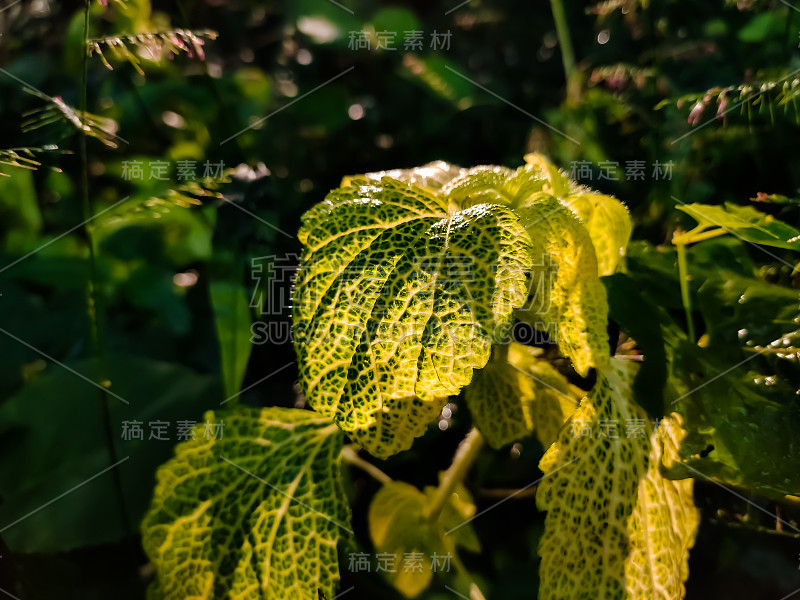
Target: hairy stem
[466,454]
[350,455]
[92,292]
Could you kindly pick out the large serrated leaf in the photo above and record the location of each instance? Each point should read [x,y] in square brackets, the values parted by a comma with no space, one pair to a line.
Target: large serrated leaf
[397,300]
[256,515]
[518,393]
[615,528]
[663,526]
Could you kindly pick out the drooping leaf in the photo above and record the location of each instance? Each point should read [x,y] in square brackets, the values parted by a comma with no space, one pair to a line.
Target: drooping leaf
[663,526]
[568,295]
[519,393]
[745,222]
[255,515]
[397,300]
[615,528]
[399,525]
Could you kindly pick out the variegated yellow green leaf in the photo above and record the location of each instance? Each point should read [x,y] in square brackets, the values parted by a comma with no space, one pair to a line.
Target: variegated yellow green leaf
[664,524]
[397,300]
[399,526]
[608,223]
[433,176]
[558,182]
[567,300]
[255,515]
[606,218]
[486,183]
[518,393]
[615,528]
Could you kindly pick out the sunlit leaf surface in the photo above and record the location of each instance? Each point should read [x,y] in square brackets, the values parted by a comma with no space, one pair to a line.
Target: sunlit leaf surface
[255,515]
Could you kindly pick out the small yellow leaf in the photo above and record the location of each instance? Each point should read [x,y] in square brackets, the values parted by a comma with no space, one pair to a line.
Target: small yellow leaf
[399,526]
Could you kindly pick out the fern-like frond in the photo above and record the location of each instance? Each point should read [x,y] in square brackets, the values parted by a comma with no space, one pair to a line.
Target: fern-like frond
[24,158]
[188,195]
[58,111]
[194,193]
[150,46]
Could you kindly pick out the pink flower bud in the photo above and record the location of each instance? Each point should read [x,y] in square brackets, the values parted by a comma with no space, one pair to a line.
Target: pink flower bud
[697,112]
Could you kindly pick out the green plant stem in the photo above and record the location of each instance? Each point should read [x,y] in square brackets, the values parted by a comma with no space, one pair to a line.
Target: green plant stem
[698,234]
[466,454]
[350,455]
[564,41]
[686,297]
[92,292]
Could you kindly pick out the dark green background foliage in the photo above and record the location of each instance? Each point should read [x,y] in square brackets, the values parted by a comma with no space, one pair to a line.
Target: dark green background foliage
[159,341]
